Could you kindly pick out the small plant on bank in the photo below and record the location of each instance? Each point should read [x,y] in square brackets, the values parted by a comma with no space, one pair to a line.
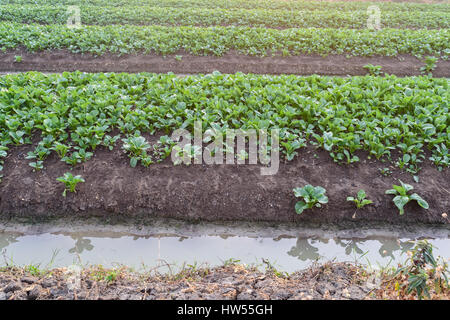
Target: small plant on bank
[430,65]
[163,148]
[70,182]
[40,153]
[110,142]
[61,149]
[34,270]
[136,147]
[99,273]
[270,269]
[291,147]
[312,196]
[373,70]
[360,199]
[402,197]
[18,59]
[385,171]
[230,262]
[441,156]
[37,166]
[186,154]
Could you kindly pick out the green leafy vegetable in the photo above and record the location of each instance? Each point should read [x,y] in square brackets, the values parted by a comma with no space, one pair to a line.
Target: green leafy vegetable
[312,196]
[402,197]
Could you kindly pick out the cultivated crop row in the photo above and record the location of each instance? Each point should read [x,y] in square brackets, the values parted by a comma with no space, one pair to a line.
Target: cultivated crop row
[94,15]
[394,119]
[220,40]
[250,4]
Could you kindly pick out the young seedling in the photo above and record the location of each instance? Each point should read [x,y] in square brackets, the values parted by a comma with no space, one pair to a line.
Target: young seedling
[373,70]
[385,172]
[110,142]
[18,59]
[70,182]
[163,148]
[37,166]
[61,149]
[360,200]
[441,156]
[312,196]
[186,154]
[136,147]
[402,197]
[430,65]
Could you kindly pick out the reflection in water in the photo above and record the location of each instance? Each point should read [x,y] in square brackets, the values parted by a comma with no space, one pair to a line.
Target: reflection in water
[80,245]
[288,253]
[304,250]
[388,248]
[351,246]
[7,239]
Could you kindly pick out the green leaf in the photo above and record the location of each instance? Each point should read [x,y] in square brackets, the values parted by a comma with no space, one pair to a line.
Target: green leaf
[300,206]
[406,186]
[361,194]
[319,190]
[419,200]
[400,202]
[322,199]
[297,192]
[391,191]
[399,190]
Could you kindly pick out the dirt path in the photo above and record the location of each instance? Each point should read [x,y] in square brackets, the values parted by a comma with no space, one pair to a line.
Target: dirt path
[339,65]
[234,282]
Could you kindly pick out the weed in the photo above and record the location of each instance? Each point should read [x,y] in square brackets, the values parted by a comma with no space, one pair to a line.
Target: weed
[422,272]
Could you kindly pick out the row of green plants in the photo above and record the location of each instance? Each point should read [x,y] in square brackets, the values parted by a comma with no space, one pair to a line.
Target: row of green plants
[315,196]
[311,5]
[94,15]
[312,196]
[118,39]
[404,121]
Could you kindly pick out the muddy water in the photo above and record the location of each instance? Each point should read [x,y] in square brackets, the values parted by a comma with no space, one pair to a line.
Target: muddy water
[143,249]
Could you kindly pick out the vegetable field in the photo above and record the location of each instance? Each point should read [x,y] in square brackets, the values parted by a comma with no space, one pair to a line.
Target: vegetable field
[357,92]
[249,36]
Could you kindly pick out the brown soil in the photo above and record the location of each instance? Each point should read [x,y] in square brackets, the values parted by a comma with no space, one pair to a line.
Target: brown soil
[339,65]
[234,282]
[114,191]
